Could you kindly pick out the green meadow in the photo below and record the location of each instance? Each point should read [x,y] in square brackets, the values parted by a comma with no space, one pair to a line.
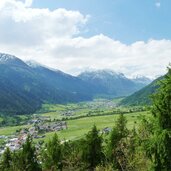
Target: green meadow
[85,115]
[10,130]
[79,127]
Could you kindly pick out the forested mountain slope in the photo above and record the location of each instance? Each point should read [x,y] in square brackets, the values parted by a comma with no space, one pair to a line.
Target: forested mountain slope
[143,96]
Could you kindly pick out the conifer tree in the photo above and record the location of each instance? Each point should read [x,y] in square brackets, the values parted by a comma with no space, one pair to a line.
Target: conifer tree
[27,156]
[119,132]
[52,157]
[162,102]
[92,150]
[161,146]
[6,160]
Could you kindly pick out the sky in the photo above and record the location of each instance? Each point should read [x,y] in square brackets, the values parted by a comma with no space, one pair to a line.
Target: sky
[132,37]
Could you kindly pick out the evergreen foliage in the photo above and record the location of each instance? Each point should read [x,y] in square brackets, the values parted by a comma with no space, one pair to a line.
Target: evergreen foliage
[161,148]
[52,158]
[6,160]
[27,157]
[92,149]
[116,142]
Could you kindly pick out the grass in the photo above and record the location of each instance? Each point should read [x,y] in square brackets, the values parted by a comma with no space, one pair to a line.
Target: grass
[79,127]
[52,115]
[10,130]
[78,112]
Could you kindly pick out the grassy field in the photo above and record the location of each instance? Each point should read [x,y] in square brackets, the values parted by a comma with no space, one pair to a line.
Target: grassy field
[55,111]
[83,118]
[79,127]
[10,130]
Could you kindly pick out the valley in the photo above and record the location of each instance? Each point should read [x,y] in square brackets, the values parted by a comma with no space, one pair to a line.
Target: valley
[32,84]
[71,121]
[51,113]
[85,85]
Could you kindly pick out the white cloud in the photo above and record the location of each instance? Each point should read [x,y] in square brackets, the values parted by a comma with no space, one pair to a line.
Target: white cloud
[158,4]
[52,38]
[28,3]
[29,26]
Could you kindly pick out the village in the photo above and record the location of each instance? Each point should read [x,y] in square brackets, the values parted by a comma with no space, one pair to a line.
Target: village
[38,125]
[97,104]
[36,128]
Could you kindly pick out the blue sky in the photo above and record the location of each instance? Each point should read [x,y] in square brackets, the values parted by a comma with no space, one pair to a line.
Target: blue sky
[128,36]
[124,20]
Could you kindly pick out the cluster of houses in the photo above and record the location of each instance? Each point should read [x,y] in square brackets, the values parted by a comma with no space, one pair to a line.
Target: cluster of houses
[39,119]
[37,129]
[13,143]
[52,126]
[67,113]
[101,103]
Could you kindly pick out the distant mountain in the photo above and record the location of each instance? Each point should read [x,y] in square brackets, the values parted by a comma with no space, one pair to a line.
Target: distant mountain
[63,81]
[110,83]
[23,88]
[142,97]
[142,81]
[11,60]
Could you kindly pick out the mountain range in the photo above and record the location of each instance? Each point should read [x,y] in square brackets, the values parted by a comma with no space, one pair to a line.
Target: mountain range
[25,86]
[112,84]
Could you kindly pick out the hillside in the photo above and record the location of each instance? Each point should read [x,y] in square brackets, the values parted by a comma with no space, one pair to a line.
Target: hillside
[142,97]
[24,88]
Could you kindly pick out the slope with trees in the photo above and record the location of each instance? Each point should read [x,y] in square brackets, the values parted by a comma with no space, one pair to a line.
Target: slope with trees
[143,96]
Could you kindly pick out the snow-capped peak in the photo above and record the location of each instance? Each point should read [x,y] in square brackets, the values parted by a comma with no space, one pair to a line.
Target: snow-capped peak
[33,64]
[6,57]
[10,60]
[101,74]
[142,79]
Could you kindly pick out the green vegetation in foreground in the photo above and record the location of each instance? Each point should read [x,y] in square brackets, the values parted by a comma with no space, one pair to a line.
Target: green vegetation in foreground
[92,152]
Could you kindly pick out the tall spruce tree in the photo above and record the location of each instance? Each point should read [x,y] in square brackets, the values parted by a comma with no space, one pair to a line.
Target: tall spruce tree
[92,150]
[27,156]
[161,146]
[52,157]
[6,160]
[119,132]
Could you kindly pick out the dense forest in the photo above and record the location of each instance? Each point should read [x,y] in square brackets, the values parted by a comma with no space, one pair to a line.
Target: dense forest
[146,147]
